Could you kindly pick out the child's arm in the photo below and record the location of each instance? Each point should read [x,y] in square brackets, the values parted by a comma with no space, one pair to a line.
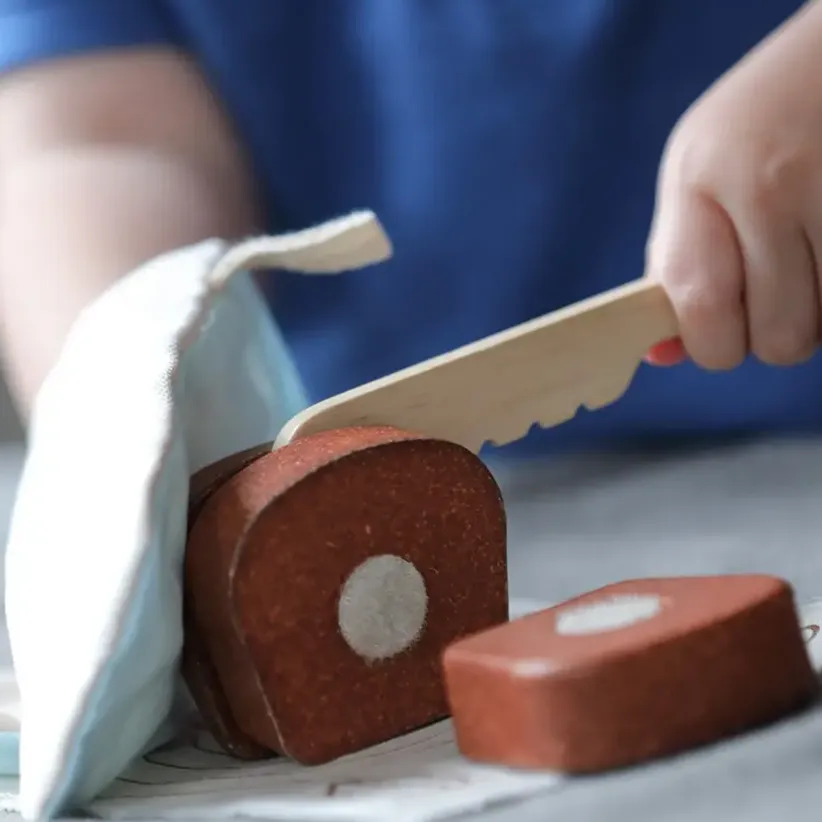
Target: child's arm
[106,160]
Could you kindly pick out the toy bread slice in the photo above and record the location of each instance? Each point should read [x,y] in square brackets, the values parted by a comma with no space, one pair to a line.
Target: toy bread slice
[632,671]
[326,578]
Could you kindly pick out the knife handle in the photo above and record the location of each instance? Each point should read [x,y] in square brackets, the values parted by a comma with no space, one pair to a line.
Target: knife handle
[618,326]
[589,353]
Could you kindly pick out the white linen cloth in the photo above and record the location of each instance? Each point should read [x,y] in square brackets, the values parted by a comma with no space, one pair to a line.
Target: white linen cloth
[175,366]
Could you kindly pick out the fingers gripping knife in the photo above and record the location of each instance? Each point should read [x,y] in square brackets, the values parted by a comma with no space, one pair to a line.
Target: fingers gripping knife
[325,574]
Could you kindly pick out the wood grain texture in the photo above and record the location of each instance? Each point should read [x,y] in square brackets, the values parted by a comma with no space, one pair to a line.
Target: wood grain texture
[496,389]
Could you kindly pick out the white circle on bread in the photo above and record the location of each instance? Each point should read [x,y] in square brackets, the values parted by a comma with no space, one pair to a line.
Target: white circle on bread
[382,608]
[607,614]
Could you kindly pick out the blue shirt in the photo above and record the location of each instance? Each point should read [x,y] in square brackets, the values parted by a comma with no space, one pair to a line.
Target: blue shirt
[510,147]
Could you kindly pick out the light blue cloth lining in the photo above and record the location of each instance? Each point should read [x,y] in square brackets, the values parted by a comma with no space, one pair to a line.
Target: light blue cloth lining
[9,753]
[231,385]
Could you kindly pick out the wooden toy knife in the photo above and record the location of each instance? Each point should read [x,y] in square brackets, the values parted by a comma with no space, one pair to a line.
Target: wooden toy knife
[494,390]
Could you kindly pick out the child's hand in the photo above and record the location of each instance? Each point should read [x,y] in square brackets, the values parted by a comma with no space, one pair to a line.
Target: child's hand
[737,234]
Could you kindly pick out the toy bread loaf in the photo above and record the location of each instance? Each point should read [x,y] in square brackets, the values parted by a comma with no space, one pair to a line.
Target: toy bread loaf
[324,581]
[632,671]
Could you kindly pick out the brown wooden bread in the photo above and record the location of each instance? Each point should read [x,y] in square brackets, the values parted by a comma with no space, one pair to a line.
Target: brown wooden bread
[632,671]
[324,581]
[197,669]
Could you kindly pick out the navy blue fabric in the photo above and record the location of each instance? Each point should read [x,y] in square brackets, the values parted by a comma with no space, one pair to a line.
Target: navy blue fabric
[509,146]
